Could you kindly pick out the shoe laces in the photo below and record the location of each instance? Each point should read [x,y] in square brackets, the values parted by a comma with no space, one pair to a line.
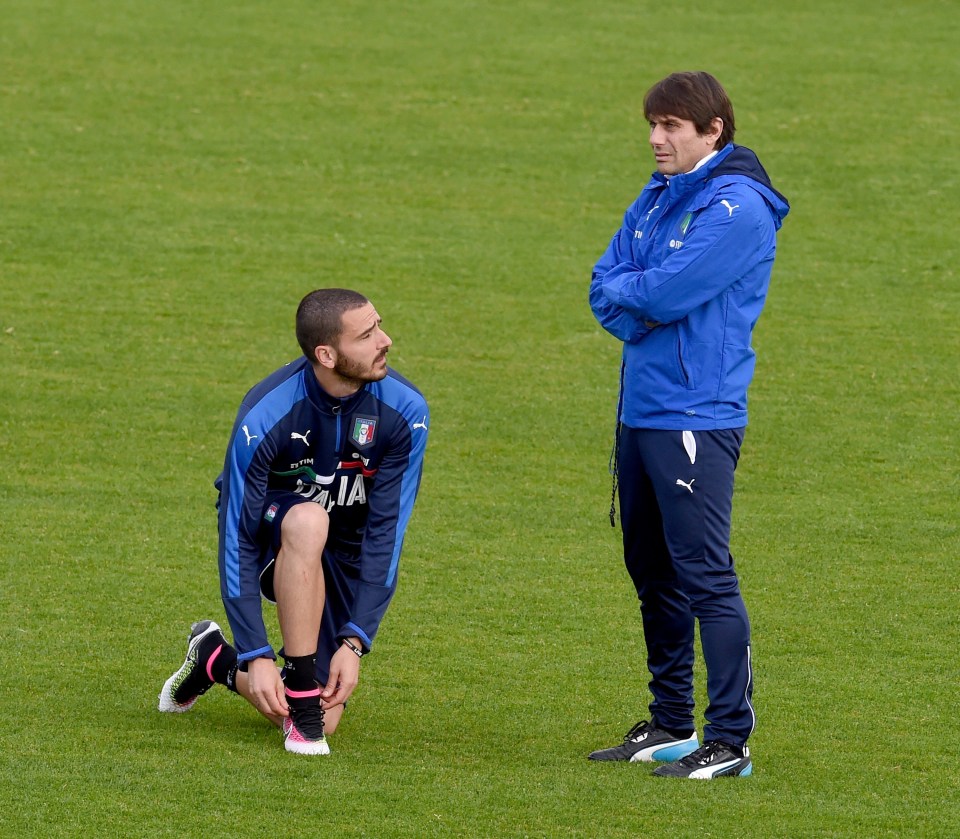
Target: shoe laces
[641,727]
[308,720]
[705,754]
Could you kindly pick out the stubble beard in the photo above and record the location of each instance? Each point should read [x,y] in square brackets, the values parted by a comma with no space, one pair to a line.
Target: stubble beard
[356,373]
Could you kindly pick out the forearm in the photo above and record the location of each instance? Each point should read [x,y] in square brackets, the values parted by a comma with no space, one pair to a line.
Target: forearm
[614,318]
[717,253]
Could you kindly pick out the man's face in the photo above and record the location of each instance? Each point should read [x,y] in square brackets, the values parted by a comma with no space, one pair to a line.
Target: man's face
[362,347]
[677,147]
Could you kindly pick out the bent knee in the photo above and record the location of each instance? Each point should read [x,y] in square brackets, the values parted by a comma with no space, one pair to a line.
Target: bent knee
[332,719]
[305,523]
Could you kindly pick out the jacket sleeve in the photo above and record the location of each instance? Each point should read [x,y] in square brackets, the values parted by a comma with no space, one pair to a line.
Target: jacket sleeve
[720,248]
[390,507]
[610,315]
[243,489]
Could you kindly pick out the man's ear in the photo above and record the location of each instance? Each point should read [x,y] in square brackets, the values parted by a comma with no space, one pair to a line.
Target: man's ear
[325,355]
[716,128]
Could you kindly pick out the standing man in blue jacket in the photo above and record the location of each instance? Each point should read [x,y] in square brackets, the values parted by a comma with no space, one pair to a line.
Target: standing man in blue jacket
[682,285]
[319,481]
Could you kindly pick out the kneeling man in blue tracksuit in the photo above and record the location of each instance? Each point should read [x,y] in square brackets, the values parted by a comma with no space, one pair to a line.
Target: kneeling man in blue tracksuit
[318,486]
[682,285]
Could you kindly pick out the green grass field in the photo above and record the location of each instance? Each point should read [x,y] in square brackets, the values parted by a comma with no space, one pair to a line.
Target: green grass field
[174,177]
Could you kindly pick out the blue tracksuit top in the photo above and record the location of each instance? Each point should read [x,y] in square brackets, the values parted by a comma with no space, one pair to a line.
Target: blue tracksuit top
[361,457]
[682,285]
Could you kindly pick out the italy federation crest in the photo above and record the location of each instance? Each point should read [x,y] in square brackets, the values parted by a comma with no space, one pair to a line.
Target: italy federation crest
[364,429]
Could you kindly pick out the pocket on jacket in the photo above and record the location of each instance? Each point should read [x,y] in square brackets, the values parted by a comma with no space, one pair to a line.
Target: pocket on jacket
[684,365]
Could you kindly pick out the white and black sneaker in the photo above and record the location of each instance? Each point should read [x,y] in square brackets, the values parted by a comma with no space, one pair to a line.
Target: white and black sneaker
[181,691]
[645,742]
[712,760]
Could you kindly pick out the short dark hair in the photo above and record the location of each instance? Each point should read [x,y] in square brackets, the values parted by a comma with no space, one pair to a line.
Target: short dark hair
[698,97]
[320,317]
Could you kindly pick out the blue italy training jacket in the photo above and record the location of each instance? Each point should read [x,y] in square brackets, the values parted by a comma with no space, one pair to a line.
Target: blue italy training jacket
[361,457]
[682,284]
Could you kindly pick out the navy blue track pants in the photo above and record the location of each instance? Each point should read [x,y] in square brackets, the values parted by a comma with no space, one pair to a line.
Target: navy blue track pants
[676,499]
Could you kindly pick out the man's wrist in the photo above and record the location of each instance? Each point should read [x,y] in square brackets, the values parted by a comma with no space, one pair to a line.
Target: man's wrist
[355,646]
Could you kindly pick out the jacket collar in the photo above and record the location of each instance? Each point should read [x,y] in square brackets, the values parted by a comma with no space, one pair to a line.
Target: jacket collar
[324,401]
[680,184]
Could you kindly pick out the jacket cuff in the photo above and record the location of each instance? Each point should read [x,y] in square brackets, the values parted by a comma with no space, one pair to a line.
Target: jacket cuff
[262,652]
[351,628]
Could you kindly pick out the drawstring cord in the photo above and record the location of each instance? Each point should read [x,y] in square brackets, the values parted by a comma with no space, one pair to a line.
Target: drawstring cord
[614,465]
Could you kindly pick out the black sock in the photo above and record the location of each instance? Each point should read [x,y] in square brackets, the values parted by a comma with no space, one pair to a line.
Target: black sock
[231,681]
[300,672]
[223,667]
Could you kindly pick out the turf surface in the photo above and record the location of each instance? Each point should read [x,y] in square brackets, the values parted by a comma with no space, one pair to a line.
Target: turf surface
[175,177]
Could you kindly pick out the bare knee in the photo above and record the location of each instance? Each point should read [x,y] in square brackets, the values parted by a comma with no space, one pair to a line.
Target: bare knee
[304,529]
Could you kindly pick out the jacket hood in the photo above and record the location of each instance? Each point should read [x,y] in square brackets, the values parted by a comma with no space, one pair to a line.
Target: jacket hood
[743,163]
